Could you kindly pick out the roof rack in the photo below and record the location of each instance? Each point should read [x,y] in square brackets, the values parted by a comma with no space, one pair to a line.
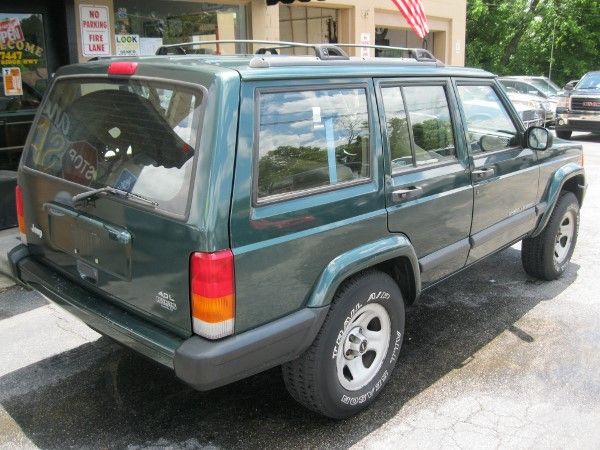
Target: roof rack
[322,51]
[420,54]
[270,55]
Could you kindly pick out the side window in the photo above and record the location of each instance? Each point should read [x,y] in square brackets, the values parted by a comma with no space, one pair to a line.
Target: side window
[397,129]
[312,139]
[489,127]
[426,109]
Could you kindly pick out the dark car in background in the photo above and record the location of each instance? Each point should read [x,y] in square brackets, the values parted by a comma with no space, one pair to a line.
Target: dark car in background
[570,85]
[579,108]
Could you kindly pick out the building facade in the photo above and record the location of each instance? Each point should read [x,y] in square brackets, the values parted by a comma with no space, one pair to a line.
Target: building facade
[38,36]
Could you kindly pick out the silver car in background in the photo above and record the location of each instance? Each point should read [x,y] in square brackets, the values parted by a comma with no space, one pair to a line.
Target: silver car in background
[530,108]
[541,87]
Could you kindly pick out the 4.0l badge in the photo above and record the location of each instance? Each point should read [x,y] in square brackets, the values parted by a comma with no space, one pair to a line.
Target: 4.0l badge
[165,300]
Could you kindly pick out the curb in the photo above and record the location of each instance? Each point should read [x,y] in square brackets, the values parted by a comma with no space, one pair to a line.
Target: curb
[9,238]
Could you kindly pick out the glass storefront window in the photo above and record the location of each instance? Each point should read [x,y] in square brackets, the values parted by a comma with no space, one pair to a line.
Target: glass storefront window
[400,37]
[23,80]
[22,61]
[141,26]
[307,24]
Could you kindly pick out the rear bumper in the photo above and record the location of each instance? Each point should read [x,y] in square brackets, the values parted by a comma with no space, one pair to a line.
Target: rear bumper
[201,363]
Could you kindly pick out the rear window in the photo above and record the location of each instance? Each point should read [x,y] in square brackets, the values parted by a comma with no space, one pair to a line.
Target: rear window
[135,135]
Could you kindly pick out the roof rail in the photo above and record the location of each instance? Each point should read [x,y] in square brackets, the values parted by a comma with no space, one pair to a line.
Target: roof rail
[420,54]
[322,51]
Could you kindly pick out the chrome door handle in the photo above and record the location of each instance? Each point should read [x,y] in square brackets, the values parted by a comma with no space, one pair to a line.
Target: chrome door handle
[483,174]
[407,193]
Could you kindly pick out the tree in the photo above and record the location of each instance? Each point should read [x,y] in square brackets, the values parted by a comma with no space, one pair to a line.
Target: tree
[514,37]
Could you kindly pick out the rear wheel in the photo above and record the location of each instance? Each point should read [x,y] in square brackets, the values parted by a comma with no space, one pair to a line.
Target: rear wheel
[564,134]
[354,354]
[547,255]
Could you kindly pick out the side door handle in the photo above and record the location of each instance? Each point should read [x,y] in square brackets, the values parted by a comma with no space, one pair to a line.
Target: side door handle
[407,193]
[484,173]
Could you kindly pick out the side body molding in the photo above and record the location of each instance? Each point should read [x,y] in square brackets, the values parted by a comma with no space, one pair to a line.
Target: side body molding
[555,185]
[361,258]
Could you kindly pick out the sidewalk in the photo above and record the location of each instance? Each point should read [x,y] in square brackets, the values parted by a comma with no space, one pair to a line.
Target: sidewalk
[8,239]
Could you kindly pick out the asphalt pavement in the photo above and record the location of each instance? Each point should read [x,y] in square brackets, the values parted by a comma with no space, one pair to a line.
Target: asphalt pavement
[491,358]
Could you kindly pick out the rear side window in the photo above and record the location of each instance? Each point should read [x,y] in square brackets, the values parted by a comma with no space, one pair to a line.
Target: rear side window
[135,135]
[312,139]
[419,128]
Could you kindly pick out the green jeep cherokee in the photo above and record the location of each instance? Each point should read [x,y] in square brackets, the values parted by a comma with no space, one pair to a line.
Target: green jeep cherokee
[223,215]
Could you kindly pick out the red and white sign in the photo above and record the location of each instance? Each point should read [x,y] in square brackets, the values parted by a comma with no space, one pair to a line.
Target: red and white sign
[80,162]
[11,31]
[94,22]
[365,39]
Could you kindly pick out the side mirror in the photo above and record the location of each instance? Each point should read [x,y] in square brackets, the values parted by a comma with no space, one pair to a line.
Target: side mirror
[538,138]
[568,87]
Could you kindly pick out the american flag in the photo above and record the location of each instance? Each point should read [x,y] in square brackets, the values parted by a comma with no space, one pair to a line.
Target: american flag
[412,10]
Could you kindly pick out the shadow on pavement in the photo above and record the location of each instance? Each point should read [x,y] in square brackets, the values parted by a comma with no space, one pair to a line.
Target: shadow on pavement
[17,300]
[122,399]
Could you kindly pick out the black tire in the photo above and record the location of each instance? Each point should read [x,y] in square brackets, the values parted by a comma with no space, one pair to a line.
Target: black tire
[538,253]
[312,379]
[564,134]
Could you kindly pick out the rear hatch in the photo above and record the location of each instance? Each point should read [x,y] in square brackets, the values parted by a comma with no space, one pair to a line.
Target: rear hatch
[130,245]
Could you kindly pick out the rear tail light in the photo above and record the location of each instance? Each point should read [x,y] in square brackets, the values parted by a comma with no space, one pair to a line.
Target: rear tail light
[20,213]
[212,289]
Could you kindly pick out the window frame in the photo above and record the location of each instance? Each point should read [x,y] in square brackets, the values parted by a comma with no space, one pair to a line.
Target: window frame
[446,84]
[276,198]
[504,101]
[199,119]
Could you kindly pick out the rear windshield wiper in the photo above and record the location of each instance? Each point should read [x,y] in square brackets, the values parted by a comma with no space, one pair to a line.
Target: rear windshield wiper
[111,190]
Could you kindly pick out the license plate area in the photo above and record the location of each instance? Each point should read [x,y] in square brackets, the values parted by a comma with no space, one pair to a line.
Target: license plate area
[97,243]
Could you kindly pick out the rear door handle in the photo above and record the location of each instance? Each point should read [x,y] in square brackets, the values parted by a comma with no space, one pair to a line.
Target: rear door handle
[484,173]
[407,193]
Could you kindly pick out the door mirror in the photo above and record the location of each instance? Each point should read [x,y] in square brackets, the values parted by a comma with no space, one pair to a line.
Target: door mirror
[538,138]
[568,87]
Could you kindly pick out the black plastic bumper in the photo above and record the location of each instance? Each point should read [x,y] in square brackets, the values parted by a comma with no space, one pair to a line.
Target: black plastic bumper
[201,363]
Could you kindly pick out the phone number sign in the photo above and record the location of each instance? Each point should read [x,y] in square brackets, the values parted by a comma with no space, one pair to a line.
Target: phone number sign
[95,30]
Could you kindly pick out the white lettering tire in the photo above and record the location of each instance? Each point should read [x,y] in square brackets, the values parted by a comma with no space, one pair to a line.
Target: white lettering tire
[355,352]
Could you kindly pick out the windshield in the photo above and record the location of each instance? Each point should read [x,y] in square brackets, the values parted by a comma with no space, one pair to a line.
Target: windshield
[590,81]
[134,135]
[546,86]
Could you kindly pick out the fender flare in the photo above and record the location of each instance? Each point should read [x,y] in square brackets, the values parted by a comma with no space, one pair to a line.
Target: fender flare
[360,258]
[555,186]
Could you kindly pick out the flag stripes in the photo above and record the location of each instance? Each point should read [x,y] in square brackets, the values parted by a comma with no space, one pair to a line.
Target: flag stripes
[413,12]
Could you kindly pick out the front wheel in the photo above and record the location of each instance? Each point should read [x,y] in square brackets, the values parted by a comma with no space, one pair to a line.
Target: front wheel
[354,354]
[547,255]
[564,134]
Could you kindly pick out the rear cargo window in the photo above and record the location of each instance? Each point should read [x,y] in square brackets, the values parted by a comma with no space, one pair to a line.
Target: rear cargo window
[135,135]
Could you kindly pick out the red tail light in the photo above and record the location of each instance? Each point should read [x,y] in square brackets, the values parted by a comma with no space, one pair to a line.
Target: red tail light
[20,213]
[122,68]
[212,289]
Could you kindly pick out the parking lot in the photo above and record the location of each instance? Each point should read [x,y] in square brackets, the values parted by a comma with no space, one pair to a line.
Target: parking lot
[490,358]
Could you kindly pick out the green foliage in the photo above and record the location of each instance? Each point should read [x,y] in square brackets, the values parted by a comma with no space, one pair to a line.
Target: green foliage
[433,134]
[514,37]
